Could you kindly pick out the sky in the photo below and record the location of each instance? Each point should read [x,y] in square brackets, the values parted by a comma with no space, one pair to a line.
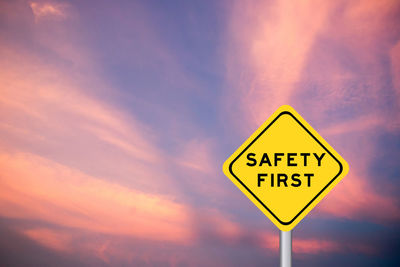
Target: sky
[116,118]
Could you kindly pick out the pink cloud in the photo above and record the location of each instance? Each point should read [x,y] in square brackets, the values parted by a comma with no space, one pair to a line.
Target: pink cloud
[302,246]
[53,239]
[356,199]
[314,246]
[221,225]
[67,197]
[360,124]
[282,53]
[395,62]
[345,70]
[273,41]
[81,162]
[197,155]
[71,159]
[79,205]
[197,159]
[46,10]
[50,113]
[278,56]
[86,165]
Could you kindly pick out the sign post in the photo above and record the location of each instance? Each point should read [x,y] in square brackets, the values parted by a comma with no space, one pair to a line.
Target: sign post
[285,168]
[285,248]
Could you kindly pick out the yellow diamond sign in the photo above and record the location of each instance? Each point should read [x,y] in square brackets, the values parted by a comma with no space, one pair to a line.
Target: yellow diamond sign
[285,168]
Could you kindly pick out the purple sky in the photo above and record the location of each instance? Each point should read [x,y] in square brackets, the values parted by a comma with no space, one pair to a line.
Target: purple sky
[118,115]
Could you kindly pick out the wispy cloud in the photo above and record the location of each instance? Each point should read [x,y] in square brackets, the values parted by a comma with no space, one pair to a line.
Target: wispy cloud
[360,124]
[356,199]
[395,71]
[304,246]
[79,162]
[56,240]
[330,65]
[274,41]
[49,10]
[289,54]
[111,137]
[66,197]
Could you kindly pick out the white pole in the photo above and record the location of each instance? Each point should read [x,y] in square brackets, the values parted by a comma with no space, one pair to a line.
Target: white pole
[285,245]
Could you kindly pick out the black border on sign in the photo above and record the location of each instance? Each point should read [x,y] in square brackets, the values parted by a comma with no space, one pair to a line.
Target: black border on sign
[255,139]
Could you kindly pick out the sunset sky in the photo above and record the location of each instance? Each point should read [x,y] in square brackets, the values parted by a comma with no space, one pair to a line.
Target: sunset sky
[116,118]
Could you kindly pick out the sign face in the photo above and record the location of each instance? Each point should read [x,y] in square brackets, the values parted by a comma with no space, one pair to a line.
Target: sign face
[285,168]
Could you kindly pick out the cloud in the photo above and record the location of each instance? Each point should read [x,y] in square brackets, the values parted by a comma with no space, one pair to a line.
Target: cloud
[49,10]
[82,172]
[360,124]
[395,71]
[49,238]
[332,66]
[86,166]
[197,155]
[322,63]
[70,199]
[314,246]
[355,199]
[72,160]
[50,113]
[347,76]
[363,194]
[273,41]
[310,246]
[67,197]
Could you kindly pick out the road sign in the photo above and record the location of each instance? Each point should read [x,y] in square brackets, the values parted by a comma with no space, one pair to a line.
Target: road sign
[285,168]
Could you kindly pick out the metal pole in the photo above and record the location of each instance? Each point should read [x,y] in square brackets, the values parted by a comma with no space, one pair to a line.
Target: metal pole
[285,245]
